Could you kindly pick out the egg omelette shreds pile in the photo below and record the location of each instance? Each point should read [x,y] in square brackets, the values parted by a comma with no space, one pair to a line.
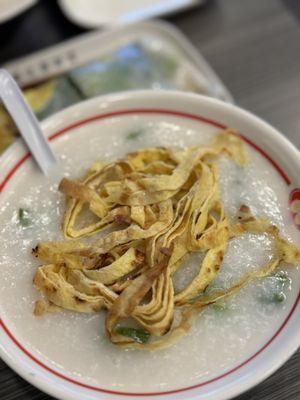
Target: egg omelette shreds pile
[153,208]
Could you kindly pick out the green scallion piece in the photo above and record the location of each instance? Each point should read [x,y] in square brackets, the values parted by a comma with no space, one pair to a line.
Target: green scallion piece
[134,135]
[275,297]
[219,307]
[282,276]
[138,335]
[279,297]
[24,217]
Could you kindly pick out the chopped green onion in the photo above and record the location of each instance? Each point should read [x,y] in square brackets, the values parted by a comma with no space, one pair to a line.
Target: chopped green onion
[282,276]
[24,217]
[138,335]
[219,306]
[279,297]
[275,297]
[134,135]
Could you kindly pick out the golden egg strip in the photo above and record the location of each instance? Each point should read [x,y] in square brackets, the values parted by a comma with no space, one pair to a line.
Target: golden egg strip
[130,225]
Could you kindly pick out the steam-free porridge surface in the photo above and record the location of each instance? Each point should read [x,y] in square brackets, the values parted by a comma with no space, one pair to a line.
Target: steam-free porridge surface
[222,336]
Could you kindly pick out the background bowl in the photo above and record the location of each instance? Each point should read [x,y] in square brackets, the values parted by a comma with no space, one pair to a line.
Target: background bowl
[92,118]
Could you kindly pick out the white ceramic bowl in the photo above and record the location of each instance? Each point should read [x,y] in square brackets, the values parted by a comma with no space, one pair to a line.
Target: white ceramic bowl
[11,8]
[92,118]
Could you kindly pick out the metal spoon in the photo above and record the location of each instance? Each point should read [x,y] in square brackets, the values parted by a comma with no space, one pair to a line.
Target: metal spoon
[25,120]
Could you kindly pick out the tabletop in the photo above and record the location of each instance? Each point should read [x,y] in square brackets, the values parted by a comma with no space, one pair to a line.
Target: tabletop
[254,46]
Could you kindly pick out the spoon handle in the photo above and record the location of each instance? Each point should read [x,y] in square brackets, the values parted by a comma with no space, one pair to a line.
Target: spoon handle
[26,122]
